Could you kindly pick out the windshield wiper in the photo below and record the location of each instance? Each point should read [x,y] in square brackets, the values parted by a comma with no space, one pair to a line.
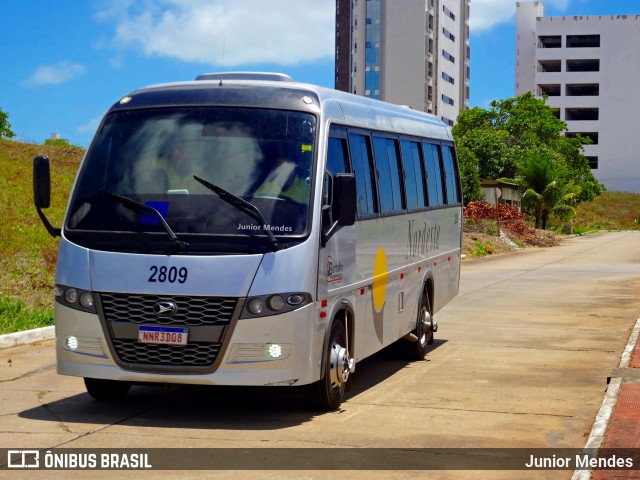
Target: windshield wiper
[141,207]
[241,204]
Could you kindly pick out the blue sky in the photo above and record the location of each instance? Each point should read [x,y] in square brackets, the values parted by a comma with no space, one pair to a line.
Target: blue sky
[65,62]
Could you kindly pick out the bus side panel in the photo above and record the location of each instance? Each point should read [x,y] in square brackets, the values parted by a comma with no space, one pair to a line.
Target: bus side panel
[336,272]
[383,263]
[393,256]
[446,265]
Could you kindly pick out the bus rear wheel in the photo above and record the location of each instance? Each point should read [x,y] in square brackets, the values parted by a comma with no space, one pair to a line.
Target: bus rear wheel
[328,392]
[425,327]
[106,389]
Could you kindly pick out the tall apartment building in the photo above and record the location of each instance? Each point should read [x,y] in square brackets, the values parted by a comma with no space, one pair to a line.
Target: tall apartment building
[588,67]
[407,52]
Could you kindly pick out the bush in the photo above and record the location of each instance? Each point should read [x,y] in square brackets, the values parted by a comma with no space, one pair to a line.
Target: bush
[484,217]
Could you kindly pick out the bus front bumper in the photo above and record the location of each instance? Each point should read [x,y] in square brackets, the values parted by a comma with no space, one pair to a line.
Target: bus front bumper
[266,351]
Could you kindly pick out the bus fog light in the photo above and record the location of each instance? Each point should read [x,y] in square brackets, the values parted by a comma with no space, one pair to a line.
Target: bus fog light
[274,350]
[276,302]
[71,295]
[86,300]
[256,306]
[72,343]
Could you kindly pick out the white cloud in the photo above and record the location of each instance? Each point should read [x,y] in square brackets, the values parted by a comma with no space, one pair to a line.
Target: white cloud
[91,126]
[283,32]
[55,74]
[486,14]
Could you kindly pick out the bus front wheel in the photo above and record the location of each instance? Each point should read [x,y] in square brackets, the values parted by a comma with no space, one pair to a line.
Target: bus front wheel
[106,389]
[328,392]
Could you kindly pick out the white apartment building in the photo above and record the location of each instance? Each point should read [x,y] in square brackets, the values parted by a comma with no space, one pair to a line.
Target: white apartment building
[407,52]
[588,66]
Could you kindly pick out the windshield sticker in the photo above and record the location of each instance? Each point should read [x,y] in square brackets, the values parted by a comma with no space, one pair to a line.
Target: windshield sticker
[149,218]
[272,228]
[306,148]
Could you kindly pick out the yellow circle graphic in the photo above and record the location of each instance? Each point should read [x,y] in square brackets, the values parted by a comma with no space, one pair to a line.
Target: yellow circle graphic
[379,279]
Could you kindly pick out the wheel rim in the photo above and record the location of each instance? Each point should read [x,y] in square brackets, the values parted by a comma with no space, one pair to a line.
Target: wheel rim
[424,326]
[338,365]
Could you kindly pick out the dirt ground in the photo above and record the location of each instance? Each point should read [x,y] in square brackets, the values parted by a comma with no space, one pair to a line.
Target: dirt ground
[474,243]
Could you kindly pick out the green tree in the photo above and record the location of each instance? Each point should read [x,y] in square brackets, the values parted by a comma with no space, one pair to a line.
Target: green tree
[544,189]
[5,126]
[468,163]
[506,137]
[476,130]
[578,169]
[528,120]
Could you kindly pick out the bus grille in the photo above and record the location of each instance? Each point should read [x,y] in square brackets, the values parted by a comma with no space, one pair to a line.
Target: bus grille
[192,311]
[124,312]
[191,355]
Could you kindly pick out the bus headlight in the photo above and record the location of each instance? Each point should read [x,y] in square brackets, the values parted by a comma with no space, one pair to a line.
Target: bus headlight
[71,295]
[265,305]
[276,303]
[86,300]
[256,306]
[295,299]
[75,298]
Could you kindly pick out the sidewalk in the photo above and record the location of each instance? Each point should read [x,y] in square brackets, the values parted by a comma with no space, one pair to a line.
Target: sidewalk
[623,426]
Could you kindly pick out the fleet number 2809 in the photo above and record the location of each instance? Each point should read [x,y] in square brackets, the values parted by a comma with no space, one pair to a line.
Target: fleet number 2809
[167,274]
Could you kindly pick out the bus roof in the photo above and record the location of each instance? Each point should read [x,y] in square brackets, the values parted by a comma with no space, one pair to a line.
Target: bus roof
[268,90]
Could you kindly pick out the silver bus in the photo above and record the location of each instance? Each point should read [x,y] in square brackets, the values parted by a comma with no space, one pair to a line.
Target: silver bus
[245,229]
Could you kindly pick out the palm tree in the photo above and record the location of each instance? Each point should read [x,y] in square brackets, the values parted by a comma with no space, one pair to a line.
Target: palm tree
[544,189]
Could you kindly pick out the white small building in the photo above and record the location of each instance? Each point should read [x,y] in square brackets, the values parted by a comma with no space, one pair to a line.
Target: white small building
[588,66]
[499,193]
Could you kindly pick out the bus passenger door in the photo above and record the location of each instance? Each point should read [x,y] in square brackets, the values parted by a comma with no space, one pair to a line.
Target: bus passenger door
[336,268]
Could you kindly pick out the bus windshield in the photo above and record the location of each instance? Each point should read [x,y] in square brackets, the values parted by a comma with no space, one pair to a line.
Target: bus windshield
[168,158]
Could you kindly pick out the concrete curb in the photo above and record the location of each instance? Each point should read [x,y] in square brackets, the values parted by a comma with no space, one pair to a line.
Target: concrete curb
[29,336]
[608,403]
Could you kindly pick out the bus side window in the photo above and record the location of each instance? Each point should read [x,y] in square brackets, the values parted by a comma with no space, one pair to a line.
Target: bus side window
[448,156]
[337,156]
[433,170]
[413,173]
[386,160]
[397,175]
[336,163]
[360,148]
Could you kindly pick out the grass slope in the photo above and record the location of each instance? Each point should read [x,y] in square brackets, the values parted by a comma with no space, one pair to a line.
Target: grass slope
[27,252]
[609,211]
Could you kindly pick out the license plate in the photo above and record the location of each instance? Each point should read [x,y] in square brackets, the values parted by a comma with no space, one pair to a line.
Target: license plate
[163,335]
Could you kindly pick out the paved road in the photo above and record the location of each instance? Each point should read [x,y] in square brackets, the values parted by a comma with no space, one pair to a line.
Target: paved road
[521,360]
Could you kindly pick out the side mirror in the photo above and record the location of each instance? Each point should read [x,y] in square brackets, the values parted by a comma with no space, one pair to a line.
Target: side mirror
[42,191]
[343,207]
[344,199]
[41,182]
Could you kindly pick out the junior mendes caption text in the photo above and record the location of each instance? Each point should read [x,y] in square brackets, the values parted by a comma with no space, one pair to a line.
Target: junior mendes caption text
[580,461]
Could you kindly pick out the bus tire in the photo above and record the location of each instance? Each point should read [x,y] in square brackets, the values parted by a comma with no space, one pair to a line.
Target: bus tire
[106,389]
[423,331]
[327,393]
